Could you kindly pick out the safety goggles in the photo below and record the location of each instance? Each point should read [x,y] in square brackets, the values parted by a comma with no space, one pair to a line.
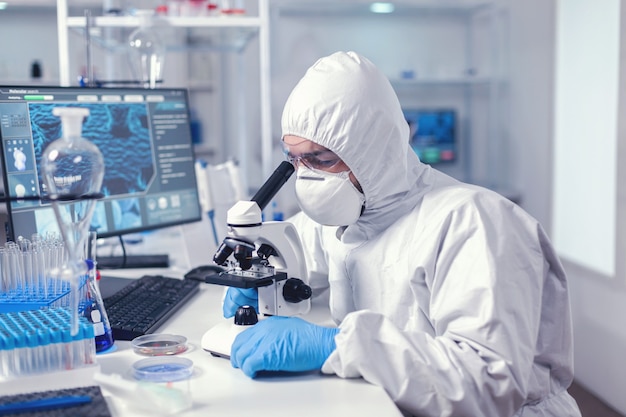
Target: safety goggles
[322,159]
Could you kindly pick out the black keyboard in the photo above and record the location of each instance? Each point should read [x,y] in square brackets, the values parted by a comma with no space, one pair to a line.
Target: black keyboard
[146,303]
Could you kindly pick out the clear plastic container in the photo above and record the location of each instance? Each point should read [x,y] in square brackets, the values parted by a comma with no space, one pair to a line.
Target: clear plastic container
[233,8]
[212,9]
[167,379]
[192,8]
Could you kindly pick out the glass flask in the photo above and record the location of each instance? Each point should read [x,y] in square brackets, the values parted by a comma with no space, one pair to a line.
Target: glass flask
[72,169]
[147,51]
[94,309]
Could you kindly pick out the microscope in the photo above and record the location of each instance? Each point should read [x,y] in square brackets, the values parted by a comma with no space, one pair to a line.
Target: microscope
[267,256]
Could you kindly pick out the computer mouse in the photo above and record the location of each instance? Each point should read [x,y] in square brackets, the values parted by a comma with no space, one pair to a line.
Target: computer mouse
[199,273]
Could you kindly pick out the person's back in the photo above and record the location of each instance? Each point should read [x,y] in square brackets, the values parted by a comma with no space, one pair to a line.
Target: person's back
[468,297]
[446,294]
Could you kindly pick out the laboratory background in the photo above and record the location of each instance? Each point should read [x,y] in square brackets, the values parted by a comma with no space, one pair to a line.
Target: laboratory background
[530,92]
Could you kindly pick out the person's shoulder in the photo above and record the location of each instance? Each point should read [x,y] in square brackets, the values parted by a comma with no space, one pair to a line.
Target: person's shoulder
[479,192]
[460,193]
[458,198]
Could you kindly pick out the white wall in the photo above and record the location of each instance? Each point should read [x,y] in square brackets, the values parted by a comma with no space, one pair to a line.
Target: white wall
[589,221]
[532,80]
[28,35]
[585,132]
[598,299]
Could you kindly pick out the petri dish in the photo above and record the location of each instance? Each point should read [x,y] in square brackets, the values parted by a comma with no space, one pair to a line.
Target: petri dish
[159,344]
[163,369]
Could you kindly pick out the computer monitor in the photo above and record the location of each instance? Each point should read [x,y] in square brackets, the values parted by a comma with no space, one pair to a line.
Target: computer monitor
[143,135]
[433,134]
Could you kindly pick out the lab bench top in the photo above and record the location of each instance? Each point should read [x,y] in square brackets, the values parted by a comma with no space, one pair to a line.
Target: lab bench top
[218,389]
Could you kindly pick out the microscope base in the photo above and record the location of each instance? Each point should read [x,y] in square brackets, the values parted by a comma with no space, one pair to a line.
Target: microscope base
[218,339]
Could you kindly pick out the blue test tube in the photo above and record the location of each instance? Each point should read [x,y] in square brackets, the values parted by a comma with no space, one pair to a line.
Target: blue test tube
[8,354]
[78,347]
[43,338]
[88,342]
[31,352]
[19,364]
[40,341]
[31,325]
[5,346]
[3,283]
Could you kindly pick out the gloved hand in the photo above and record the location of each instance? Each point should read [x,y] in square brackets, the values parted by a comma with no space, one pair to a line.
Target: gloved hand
[282,344]
[237,297]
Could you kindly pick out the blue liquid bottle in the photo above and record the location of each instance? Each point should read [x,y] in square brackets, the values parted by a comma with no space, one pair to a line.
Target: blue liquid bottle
[94,309]
[96,314]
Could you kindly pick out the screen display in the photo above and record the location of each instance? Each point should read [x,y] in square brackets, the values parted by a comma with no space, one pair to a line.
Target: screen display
[144,137]
[433,134]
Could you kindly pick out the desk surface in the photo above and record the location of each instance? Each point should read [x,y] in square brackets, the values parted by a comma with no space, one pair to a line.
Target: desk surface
[218,389]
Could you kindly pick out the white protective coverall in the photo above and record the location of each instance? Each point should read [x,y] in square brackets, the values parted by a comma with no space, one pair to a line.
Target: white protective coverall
[447,295]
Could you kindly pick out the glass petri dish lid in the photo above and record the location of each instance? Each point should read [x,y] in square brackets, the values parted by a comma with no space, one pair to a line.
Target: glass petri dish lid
[159,344]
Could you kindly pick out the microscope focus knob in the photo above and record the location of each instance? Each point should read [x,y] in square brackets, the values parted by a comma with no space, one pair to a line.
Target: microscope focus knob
[246,316]
[295,290]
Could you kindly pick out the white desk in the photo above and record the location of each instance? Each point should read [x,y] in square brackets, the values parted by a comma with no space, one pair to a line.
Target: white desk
[218,389]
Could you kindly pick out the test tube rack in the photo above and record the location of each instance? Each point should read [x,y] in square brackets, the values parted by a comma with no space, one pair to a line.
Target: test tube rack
[40,341]
[55,294]
[30,275]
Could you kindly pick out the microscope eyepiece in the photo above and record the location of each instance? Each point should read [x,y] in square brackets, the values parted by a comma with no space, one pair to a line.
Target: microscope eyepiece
[274,183]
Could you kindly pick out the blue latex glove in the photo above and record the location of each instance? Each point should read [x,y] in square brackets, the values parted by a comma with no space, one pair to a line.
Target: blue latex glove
[237,297]
[282,344]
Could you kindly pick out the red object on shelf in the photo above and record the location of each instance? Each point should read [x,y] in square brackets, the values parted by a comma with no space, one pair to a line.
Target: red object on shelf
[233,11]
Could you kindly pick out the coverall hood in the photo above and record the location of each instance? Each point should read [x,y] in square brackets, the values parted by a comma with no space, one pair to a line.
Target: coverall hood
[347,105]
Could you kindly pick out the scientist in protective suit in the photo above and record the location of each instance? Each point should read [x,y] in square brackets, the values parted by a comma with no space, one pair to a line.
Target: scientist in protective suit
[447,295]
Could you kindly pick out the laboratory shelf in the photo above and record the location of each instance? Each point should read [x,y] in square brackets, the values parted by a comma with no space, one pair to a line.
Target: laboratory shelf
[211,38]
[173,21]
[359,8]
[227,34]
[442,82]
[222,33]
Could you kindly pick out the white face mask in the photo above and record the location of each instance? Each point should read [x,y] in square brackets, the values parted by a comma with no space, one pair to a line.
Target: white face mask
[328,198]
